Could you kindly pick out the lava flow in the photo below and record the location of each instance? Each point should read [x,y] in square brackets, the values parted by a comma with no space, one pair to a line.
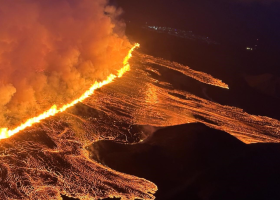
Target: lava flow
[6,133]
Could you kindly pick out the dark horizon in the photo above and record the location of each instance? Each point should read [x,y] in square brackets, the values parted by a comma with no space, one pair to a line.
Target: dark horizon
[229,22]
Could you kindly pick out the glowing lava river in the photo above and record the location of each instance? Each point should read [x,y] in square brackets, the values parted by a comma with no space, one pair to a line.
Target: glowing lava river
[47,159]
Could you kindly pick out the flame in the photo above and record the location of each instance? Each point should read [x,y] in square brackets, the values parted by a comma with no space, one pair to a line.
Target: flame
[6,133]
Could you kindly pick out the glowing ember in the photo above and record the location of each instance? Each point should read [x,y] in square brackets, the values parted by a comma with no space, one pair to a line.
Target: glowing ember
[6,133]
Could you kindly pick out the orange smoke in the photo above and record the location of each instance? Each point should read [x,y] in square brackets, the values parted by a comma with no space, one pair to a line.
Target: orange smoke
[6,133]
[52,51]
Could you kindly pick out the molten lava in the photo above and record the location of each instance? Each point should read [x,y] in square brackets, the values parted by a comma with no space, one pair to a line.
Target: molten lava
[6,133]
[56,157]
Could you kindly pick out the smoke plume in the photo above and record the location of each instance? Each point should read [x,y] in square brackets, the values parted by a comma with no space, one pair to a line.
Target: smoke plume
[51,51]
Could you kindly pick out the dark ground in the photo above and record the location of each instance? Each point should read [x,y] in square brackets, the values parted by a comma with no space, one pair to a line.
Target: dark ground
[195,162]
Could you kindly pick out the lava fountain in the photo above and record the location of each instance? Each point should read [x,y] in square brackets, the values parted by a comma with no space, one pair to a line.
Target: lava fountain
[6,133]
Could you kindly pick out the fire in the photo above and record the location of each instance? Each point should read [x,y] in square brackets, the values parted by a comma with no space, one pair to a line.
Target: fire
[6,133]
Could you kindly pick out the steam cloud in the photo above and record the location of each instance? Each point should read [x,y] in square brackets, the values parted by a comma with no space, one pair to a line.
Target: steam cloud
[51,51]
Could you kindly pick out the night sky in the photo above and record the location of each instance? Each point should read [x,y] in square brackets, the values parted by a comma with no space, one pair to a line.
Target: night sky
[227,21]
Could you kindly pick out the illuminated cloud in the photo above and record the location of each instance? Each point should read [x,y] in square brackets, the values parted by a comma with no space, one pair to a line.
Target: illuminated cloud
[51,51]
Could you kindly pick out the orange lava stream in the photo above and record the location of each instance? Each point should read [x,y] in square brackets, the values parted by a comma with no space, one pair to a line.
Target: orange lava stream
[6,133]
